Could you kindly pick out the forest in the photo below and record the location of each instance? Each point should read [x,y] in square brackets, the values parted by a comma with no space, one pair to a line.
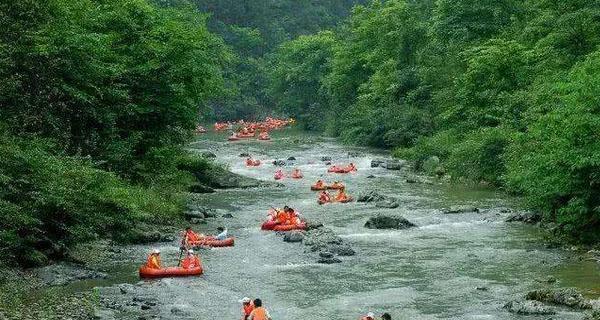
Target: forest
[502,93]
[99,98]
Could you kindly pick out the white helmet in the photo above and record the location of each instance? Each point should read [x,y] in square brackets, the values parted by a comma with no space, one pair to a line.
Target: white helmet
[156,251]
[190,251]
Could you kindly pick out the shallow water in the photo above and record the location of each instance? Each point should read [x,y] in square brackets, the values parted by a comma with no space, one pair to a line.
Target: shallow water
[429,272]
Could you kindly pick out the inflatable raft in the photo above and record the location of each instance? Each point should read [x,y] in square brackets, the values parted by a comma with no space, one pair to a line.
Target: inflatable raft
[146,272]
[272,225]
[211,242]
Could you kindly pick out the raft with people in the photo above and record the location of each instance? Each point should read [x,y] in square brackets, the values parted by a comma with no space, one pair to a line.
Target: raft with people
[147,272]
[342,169]
[252,162]
[212,242]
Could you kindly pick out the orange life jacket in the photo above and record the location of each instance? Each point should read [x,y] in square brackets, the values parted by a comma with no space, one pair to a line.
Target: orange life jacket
[247,309]
[341,196]
[192,236]
[324,197]
[190,262]
[282,217]
[319,184]
[259,313]
[153,262]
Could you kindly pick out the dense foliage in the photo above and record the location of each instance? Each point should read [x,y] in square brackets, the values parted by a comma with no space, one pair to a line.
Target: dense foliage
[254,29]
[97,98]
[495,91]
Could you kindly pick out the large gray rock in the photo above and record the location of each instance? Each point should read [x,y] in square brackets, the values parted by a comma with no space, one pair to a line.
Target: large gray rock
[393,164]
[65,273]
[279,163]
[377,163]
[461,209]
[528,308]
[566,297]
[313,224]
[326,158]
[325,240]
[526,217]
[244,155]
[388,222]
[293,236]
[208,155]
[387,204]
[370,196]
[329,260]
[194,214]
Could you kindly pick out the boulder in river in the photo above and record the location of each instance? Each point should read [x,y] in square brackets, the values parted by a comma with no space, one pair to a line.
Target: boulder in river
[388,222]
[387,204]
[526,217]
[331,260]
[291,159]
[528,308]
[326,159]
[325,240]
[370,176]
[377,163]
[594,315]
[393,164]
[370,196]
[313,224]
[566,297]
[461,209]
[293,236]
[244,155]
[227,216]
[279,163]
[208,155]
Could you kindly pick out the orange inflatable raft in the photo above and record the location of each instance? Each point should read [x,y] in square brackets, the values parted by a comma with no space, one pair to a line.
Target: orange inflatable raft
[272,225]
[212,242]
[316,188]
[146,272]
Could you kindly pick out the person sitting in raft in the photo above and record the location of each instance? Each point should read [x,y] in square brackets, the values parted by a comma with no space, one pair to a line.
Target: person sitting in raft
[337,185]
[292,216]
[190,236]
[247,308]
[297,174]
[282,216]
[351,167]
[324,197]
[341,195]
[222,233]
[153,261]
[264,135]
[319,184]
[369,316]
[259,312]
[250,162]
[190,261]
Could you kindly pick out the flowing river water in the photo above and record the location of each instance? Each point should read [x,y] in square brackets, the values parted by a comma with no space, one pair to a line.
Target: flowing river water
[452,266]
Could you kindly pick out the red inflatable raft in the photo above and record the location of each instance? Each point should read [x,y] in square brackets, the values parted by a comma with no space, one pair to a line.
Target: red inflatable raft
[315,188]
[146,272]
[211,242]
[272,225]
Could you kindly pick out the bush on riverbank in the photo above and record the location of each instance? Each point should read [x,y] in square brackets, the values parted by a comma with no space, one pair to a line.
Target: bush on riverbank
[97,99]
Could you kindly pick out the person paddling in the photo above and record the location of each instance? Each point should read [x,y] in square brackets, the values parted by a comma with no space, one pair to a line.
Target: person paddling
[222,233]
[190,261]
[341,195]
[259,312]
[153,261]
[190,237]
[247,308]
[324,197]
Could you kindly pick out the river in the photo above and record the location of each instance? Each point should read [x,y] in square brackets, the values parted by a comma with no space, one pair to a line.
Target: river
[452,266]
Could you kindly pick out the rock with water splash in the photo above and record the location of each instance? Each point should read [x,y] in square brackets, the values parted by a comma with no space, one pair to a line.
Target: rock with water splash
[528,308]
[370,196]
[393,164]
[566,297]
[388,222]
[325,240]
[279,163]
[387,204]
[377,163]
[461,209]
[594,315]
[326,159]
[208,155]
[526,217]
[293,236]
